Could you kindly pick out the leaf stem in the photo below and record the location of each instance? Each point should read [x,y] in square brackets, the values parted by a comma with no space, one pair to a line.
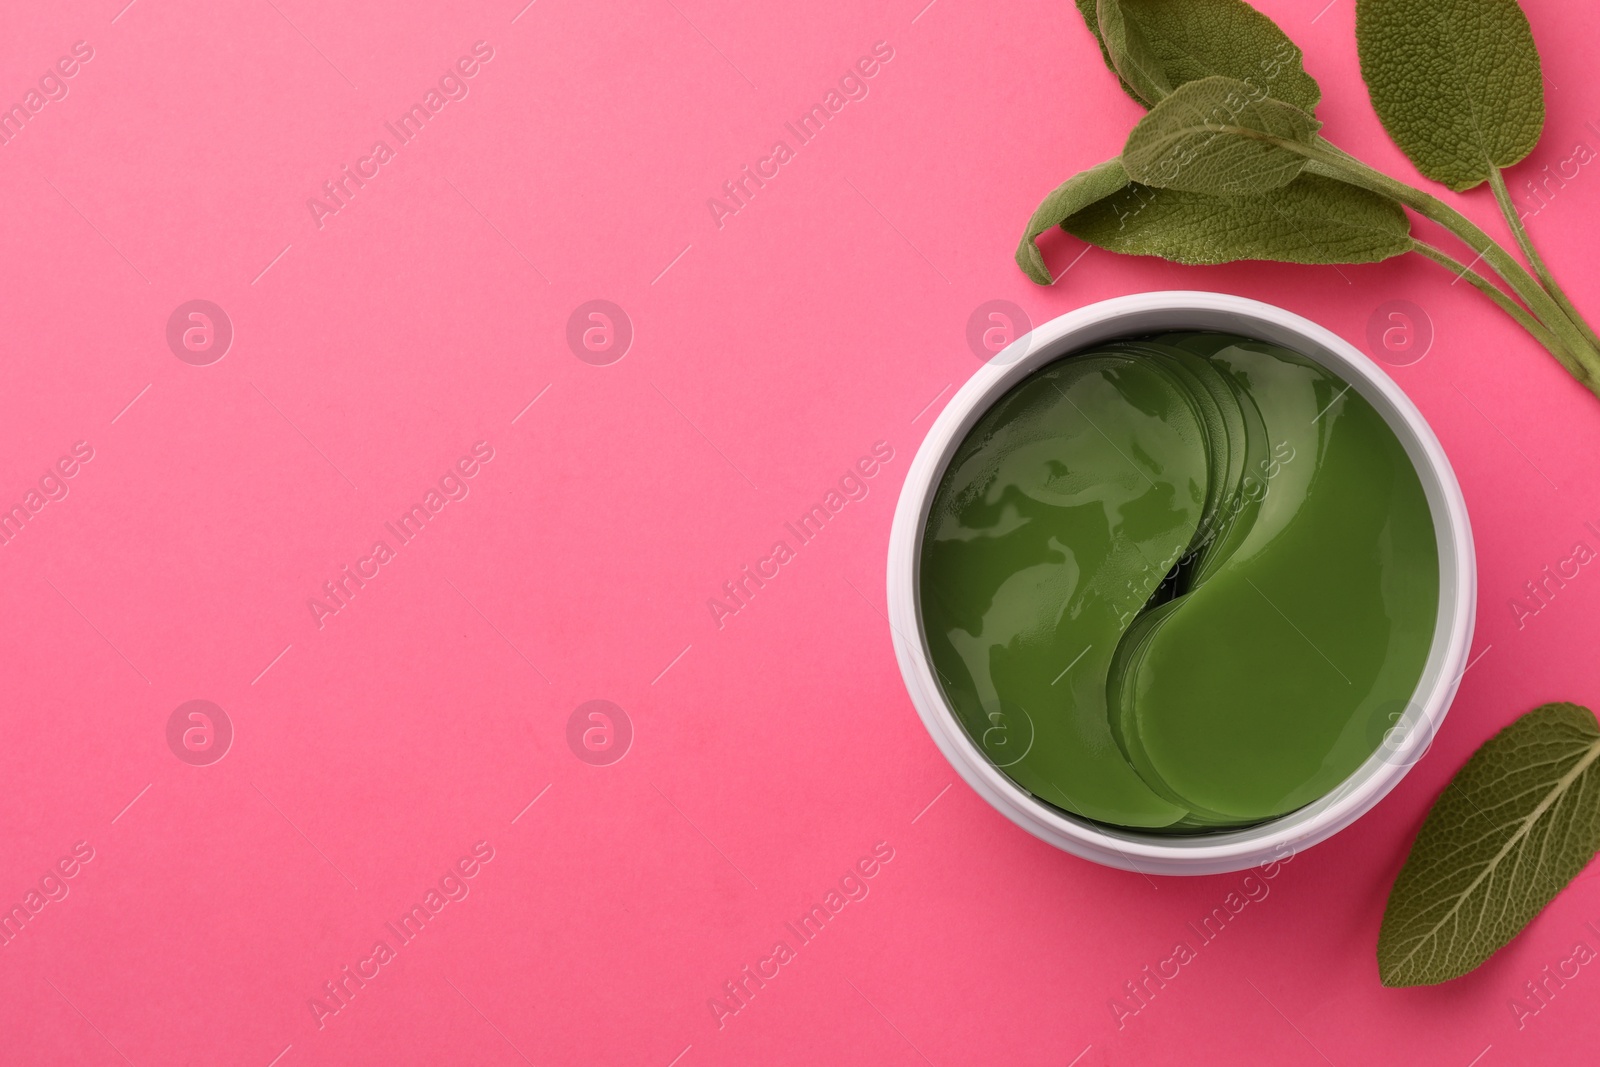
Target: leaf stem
[1513,219]
[1510,306]
[1333,162]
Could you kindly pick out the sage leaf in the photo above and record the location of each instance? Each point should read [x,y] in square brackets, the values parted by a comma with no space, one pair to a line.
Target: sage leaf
[1456,82]
[1218,136]
[1130,54]
[1514,826]
[1076,192]
[1192,39]
[1311,220]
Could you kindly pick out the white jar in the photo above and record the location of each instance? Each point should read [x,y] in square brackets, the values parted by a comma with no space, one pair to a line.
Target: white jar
[1214,853]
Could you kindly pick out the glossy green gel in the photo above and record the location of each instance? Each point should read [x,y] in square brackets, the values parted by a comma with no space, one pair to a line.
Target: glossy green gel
[1181,582]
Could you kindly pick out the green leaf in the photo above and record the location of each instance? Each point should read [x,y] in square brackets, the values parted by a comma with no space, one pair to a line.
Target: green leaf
[1310,220]
[1217,135]
[1456,83]
[1512,828]
[1076,192]
[1193,39]
[1130,53]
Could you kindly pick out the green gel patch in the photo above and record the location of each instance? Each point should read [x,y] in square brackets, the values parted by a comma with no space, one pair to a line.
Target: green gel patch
[1179,583]
[1257,694]
[1056,520]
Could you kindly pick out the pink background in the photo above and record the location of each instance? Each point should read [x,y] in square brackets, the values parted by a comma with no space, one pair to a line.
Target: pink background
[768,755]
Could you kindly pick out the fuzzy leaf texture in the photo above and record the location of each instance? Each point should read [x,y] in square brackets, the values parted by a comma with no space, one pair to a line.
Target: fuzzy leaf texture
[1456,82]
[1128,50]
[1217,136]
[1179,41]
[1310,220]
[1514,826]
[1076,192]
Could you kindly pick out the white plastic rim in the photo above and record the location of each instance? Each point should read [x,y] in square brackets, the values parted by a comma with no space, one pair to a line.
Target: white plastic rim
[1215,853]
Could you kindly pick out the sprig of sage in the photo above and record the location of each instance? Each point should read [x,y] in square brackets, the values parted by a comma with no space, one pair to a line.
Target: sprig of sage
[1517,823]
[1230,162]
